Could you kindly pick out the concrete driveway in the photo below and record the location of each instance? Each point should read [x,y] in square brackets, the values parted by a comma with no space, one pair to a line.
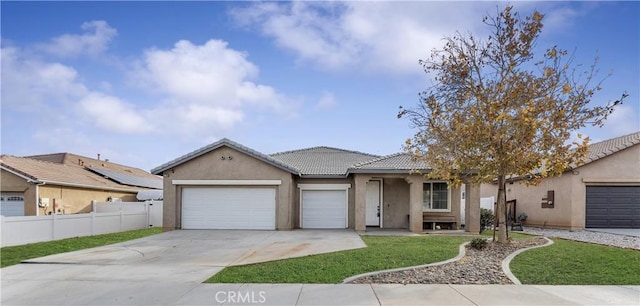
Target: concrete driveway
[157,269]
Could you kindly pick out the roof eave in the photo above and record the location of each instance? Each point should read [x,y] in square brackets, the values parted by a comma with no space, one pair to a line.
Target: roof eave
[392,171]
[29,178]
[324,176]
[224,142]
[59,183]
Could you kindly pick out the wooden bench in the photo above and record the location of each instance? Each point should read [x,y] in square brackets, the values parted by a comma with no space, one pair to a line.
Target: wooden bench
[450,220]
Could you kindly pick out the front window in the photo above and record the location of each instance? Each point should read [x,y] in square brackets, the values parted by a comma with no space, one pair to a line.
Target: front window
[435,196]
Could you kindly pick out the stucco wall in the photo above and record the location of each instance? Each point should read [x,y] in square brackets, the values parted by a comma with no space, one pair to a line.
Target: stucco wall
[71,200]
[241,167]
[351,196]
[396,203]
[621,168]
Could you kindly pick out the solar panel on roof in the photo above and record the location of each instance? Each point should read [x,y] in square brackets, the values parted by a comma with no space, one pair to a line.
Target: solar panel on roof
[128,179]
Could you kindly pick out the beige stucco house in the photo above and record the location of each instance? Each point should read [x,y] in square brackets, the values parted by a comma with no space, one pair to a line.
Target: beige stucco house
[67,182]
[226,185]
[603,192]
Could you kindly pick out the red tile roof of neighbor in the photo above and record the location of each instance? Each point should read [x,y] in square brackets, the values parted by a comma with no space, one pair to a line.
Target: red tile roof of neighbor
[72,169]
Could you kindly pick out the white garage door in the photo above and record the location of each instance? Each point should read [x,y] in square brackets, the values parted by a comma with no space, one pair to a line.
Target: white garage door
[324,209]
[229,208]
[11,204]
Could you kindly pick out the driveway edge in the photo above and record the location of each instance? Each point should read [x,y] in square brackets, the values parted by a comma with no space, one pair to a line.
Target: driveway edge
[461,253]
[507,261]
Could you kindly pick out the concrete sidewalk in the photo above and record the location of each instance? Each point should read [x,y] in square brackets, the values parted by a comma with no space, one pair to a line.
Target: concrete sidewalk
[389,294]
[176,293]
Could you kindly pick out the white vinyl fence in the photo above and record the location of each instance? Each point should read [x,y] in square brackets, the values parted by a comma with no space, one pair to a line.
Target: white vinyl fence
[154,209]
[30,229]
[487,203]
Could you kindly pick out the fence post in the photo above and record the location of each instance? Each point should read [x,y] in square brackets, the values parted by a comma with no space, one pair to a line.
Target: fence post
[2,229]
[93,223]
[93,205]
[53,226]
[149,206]
[121,221]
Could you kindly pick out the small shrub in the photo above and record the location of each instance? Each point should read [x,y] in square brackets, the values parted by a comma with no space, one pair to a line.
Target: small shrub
[486,219]
[478,243]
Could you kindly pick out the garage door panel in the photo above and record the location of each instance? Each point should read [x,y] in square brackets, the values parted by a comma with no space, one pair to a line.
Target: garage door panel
[11,205]
[613,206]
[228,208]
[324,209]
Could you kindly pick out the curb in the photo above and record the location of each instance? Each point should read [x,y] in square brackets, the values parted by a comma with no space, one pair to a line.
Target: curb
[461,253]
[507,261]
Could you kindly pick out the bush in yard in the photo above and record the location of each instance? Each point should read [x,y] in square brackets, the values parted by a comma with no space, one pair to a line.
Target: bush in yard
[486,219]
[478,243]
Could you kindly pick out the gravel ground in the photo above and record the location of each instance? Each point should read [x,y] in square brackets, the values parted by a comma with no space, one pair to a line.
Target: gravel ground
[476,267]
[621,241]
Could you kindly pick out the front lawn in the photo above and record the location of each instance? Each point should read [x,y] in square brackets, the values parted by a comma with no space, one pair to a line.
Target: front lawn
[577,263]
[383,252]
[15,254]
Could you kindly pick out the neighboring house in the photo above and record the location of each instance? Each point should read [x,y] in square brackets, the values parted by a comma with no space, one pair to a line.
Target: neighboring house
[604,192]
[226,185]
[67,182]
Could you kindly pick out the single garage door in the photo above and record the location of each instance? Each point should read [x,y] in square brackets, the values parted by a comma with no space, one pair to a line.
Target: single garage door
[11,204]
[229,208]
[613,207]
[324,209]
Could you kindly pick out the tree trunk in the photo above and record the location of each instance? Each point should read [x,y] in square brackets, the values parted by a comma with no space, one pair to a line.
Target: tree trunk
[501,210]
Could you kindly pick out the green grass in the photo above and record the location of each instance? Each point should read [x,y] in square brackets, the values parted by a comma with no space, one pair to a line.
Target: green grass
[383,252]
[15,254]
[577,263]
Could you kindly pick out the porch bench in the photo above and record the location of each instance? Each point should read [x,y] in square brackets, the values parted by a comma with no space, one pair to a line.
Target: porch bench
[450,220]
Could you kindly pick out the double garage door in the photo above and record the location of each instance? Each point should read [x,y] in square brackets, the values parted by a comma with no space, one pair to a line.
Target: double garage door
[255,208]
[229,208]
[613,207]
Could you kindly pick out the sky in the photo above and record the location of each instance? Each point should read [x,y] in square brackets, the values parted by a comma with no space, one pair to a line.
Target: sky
[142,83]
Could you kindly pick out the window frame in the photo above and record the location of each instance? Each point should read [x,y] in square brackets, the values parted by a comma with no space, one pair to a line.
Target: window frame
[431,183]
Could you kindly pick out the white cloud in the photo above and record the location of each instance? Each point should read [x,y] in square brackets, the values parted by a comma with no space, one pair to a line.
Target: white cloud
[326,101]
[378,36]
[623,120]
[97,35]
[28,84]
[62,139]
[205,87]
[111,114]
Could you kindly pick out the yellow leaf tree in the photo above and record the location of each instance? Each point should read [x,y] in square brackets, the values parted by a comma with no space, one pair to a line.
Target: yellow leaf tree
[494,110]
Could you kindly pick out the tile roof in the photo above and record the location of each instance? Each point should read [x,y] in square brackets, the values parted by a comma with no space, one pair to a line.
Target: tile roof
[399,162]
[607,147]
[229,143]
[323,161]
[59,173]
[84,162]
